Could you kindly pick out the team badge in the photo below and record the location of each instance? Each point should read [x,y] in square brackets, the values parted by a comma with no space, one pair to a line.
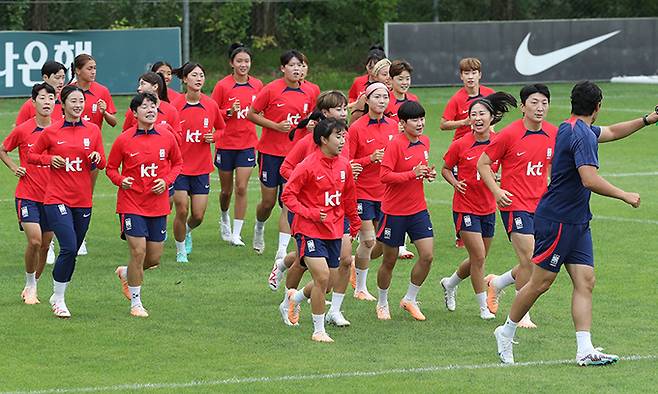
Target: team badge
[94,108]
[359,208]
[264,176]
[129,224]
[554,260]
[86,143]
[342,176]
[162,154]
[310,245]
[62,209]
[549,153]
[390,137]
[426,154]
[467,221]
[24,212]
[218,160]
[518,222]
[205,123]
[305,107]
[253,98]
[387,233]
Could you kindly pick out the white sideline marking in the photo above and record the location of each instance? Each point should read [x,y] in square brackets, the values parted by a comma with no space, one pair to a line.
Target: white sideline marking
[631,220]
[627,174]
[293,378]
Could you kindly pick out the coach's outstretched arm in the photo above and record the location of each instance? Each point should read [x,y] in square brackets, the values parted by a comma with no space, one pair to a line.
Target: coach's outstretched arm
[624,129]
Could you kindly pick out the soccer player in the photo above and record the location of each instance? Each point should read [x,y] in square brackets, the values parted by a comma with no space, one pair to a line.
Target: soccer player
[279,107]
[455,115]
[524,150]
[54,74]
[380,73]
[199,116]
[404,167]
[154,84]
[150,160]
[73,148]
[400,72]
[166,70]
[99,105]
[32,180]
[321,193]
[236,146]
[315,89]
[562,232]
[367,139]
[473,204]
[375,54]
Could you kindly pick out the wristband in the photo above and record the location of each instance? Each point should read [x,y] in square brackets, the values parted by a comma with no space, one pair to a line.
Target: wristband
[645,120]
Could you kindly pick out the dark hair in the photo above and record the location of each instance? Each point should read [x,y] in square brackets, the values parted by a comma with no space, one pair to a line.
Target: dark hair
[411,110]
[138,100]
[41,86]
[398,66]
[529,90]
[66,92]
[585,96]
[287,56]
[159,64]
[79,62]
[52,67]
[236,48]
[325,127]
[375,54]
[497,104]
[157,79]
[184,70]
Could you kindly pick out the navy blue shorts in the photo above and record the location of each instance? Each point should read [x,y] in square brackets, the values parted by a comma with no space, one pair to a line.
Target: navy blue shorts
[483,224]
[268,172]
[170,189]
[562,243]
[392,228]
[291,217]
[154,229]
[369,210]
[521,222]
[31,212]
[230,159]
[346,226]
[314,247]
[193,184]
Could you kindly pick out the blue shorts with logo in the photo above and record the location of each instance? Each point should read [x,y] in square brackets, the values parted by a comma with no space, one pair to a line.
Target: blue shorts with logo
[392,228]
[521,222]
[369,210]
[314,247]
[31,212]
[483,224]
[562,243]
[154,229]
[268,172]
[193,184]
[230,159]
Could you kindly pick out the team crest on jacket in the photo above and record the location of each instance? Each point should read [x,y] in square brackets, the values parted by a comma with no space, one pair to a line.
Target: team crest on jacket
[86,143]
[426,154]
[162,154]
[205,123]
[549,153]
[342,175]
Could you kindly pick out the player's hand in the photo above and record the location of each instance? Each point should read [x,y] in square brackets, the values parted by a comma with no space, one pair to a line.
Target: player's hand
[503,198]
[467,122]
[421,170]
[356,169]
[127,182]
[208,138]
[431,174]
[236,106]
[57,162]
[310,126]
[102,106]
[323,216]
[377,156]
[460,186]
[632,199]
[20,172]
[283,126]
[160,186]
[94,157]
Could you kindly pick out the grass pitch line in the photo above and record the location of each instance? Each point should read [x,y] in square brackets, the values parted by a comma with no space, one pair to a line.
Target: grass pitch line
[297,378]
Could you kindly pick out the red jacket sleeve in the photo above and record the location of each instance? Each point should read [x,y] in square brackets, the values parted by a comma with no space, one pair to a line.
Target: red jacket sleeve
[262,100]
[450,111]
[497,148]
[290,196]
[11,141]
[349,202]
[219,123]
[451,157]
[353,139]
[110,103]
[129,121]
[114,161]
[218,96]
[176,160]
[386,172]
[24,112]
[293,158]
[100,149]
[353,94]
[36,155]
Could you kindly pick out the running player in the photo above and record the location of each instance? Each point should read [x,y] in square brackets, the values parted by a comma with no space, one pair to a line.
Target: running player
[367,139]
[562,232]
[524,151]
[473,205]
[277,109]
[236,146]
[404,167]
[150,160]
[199,115]
[32,180]
[321,193]
[375,54]
[166,70]
[380,73]
[400,72]
[315,89]
[154,84]
[73,148]
[54,74]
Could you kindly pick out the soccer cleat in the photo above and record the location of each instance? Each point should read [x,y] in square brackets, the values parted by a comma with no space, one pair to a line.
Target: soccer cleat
[138,311]
[485,314]
[596,358]
[353,274]
[283,309]
[29,296]
[188,243]
[50,257]
[383,313]
[363,295]
[124,282]
[459,243]
[225,230]
[413,309]
[505,344]
[181,257]
[83,248]
[293,308]
[275,275]
[449,295]
[236,241]
[321,337]
[259,240]
[337,319]
[59,308]
[525,322]
[404,253]
[492,293]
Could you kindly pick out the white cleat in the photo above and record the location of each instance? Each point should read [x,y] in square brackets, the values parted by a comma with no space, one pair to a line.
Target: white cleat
[83,248]
[504,346]
[225,230]
[259,240]
[275,275]
[485,314]
[50,257]
[236,241]
[525,322]
[449,295]
[59,308]
[596,358]
[337,319]
[283,309]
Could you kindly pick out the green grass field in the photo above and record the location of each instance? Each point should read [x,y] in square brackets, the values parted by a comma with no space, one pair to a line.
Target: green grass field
[215,326]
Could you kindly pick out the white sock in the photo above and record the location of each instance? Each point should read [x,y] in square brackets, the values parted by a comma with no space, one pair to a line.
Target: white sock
[281,265]
[382,300]
[584,340]
[412,292]
[225,218]
[504,280]
[453,280]
[59,289]
[336,302]
[260,226]
[187,229]
[509,329]
[318,323]
[284,239]
[30,279]
[361,279]
[299,297]
[135,296]
[237,227]
[180,247]
[482,299]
